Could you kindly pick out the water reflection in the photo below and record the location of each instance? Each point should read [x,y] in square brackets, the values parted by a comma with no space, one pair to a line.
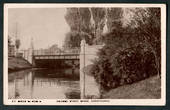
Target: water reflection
[44,84]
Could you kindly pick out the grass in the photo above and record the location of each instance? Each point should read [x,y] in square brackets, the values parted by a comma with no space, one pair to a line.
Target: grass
[149,88]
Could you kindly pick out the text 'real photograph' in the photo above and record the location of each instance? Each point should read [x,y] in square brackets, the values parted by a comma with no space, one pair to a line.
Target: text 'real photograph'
[77,54]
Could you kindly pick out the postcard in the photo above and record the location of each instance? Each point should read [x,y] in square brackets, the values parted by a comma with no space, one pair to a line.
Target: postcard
[84,54]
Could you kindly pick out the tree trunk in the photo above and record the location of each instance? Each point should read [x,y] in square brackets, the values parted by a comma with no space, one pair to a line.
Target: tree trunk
[157,62]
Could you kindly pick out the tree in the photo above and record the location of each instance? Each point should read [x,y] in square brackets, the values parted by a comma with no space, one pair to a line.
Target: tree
[17,44]
[148,26]
[111,17]
[9,41]
[73,18]
[73,39]
[129,55]
[79,21]
[120,63]
[98,17]
[105,66]
[114,18]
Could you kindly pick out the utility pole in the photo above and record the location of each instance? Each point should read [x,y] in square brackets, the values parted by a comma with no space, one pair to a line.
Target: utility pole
[16,36]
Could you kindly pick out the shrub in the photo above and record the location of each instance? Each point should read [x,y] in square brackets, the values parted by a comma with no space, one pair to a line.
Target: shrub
[127,66]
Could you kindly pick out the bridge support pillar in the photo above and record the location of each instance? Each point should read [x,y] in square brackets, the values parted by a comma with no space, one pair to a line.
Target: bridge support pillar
[82,72]
[88,85]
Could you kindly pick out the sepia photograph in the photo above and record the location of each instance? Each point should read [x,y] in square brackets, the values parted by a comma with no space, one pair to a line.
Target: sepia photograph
[84,54]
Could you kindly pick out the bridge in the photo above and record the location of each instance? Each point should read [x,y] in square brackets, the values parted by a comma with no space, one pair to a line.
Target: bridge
[52,59]
[81,59]
[56,61]
[58,57]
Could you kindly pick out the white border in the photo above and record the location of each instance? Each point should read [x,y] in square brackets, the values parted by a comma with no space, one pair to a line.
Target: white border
[142,102]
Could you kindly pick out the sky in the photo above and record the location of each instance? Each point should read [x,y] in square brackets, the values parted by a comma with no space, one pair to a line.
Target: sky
[47,26]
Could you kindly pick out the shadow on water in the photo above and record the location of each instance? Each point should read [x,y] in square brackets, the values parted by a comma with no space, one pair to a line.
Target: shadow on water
[73,95]
[44,84]
[65,74]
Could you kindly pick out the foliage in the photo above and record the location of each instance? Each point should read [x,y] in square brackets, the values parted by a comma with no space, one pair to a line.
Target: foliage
[9,41]
[114,18]
[132,52]
[17,43]
[98,22]
[132,48]
[148,23]
[79,21]
[73,39]
[113,69]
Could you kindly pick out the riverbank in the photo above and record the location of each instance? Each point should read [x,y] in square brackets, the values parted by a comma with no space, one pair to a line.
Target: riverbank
[149,88]
[17,64]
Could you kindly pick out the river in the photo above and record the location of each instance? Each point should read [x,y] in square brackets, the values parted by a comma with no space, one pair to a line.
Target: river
[44,84]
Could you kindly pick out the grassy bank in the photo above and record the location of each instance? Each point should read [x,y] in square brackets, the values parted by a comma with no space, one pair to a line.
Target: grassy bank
[16,64]
[149,88]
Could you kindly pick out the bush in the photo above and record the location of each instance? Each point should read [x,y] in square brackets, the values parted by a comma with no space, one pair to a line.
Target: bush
[127,66]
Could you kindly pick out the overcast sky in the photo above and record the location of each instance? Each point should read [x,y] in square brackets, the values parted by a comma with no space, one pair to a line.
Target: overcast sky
[46,26]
